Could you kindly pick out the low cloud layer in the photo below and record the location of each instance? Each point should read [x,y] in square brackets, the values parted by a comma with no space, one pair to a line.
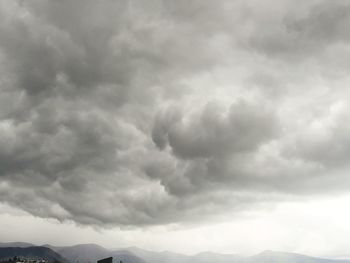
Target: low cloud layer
[122,113]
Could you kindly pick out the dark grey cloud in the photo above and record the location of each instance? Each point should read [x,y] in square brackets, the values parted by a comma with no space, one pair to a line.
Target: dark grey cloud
[126,113]
[213,133]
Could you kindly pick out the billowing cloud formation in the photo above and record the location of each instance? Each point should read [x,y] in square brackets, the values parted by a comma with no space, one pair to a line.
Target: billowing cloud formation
[130,113]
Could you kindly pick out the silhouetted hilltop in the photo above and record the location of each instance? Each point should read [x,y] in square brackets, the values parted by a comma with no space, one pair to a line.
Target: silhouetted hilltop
[32,252]
[16,244]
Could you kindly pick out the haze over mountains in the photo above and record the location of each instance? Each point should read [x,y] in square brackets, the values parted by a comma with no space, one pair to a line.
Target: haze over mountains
[84,253]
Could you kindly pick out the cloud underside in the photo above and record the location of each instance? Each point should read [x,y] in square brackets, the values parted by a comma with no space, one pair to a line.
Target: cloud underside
[120,113]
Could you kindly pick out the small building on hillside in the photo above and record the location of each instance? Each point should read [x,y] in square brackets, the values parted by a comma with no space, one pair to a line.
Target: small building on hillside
[105,260]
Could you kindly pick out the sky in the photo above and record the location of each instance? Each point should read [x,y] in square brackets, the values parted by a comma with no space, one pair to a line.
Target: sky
[176,125]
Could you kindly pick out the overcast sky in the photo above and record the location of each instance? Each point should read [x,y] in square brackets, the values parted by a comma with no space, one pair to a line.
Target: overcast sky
[184,125]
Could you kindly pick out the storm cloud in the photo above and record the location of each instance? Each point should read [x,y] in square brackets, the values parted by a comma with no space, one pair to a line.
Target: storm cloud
[129,113]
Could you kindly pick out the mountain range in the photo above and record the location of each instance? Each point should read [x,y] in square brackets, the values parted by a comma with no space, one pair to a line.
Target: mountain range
[85,253]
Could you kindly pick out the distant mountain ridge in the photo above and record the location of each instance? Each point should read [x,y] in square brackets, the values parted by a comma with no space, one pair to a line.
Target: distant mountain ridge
[16,244]
[85,253]
[90,253]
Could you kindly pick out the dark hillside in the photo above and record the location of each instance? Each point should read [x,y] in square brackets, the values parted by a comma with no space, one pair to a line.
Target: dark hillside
[35,252]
